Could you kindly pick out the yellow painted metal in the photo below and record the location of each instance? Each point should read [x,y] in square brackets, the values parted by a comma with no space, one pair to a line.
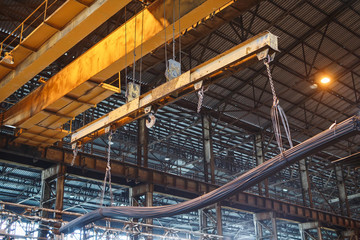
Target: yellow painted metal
[108,57]
[52,38]
[234,59]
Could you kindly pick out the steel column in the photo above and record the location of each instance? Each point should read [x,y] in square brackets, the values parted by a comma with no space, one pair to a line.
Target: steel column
[343,200]
[305,229]
[265,225]
[60,181]
[305,186]
[259,153]
[45,202]
[209,161]
[219,219]
[142,147]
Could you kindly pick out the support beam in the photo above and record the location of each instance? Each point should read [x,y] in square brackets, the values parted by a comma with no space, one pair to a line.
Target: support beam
[259,153]
[108,56]
[60,182]
[142,147]
[219,225]
[46,200]
[73,30]
[265,225]
[310,230]
[209,160]
[207,73]
[135,193]
[305,185]
[52,181]
[343,200]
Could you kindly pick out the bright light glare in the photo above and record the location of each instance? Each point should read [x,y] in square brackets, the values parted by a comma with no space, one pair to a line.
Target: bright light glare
[325,80]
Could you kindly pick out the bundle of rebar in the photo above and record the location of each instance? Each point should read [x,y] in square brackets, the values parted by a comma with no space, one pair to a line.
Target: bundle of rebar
[241,183]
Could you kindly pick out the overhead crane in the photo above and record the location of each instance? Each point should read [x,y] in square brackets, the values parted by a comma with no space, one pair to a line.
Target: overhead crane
[55,35]
[79,86]
[257,48]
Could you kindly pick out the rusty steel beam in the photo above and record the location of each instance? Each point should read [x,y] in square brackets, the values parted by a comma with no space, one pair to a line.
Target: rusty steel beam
[108,56]
[243,201]
[47,47]
[207,73]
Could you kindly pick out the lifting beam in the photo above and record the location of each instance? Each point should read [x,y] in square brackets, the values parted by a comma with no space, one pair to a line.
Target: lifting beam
[207,73]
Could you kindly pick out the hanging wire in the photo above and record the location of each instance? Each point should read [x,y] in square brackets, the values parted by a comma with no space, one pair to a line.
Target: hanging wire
[179,35]
[166,62]
[134,61]
[173,30]
[107,173]
[276,112]
[141,43]
[126,82]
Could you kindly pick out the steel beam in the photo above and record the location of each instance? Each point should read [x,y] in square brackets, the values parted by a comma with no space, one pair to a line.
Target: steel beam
[343,200]
[72,31]
[260,223]
[108,56]
[209,160]
[142,147]
[243,200]
[305,186]
[259,151]
[207,73]
[219,223]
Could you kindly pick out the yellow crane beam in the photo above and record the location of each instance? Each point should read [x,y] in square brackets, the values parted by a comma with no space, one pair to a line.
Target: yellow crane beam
[59,32]
[149,27]
[235,59]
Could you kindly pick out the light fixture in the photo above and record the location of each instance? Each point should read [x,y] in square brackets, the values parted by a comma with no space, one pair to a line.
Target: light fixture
[8,59]
[285,190]
[325,80]
[313,86]
[167,158]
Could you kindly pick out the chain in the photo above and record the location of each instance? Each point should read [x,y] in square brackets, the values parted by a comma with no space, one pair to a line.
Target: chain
[107,172]
[75,153]
[275,99]
[201,97]
[277,113]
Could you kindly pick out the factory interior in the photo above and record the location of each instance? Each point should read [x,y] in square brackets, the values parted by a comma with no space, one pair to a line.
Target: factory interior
[180,119]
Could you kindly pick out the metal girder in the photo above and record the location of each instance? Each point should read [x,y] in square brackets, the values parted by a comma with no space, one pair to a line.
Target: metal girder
[57,34]
[108,56]
[232,60]
[243,201]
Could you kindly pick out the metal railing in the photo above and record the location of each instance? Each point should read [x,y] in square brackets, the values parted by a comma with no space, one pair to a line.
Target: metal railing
[27,26]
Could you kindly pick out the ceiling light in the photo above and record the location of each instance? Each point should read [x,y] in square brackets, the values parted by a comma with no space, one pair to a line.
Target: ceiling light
[285,190]
[325,80]
[167,158]
[313,86]
[8,59]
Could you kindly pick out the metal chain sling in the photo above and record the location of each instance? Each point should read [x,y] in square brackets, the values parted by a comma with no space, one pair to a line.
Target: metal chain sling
[107,172]
[277,113]
[75,153]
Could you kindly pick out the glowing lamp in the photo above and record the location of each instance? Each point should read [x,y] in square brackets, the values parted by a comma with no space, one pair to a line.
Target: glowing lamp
[325,80]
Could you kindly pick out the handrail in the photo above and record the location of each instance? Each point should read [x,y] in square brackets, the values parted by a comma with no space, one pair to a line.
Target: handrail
[4,46]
